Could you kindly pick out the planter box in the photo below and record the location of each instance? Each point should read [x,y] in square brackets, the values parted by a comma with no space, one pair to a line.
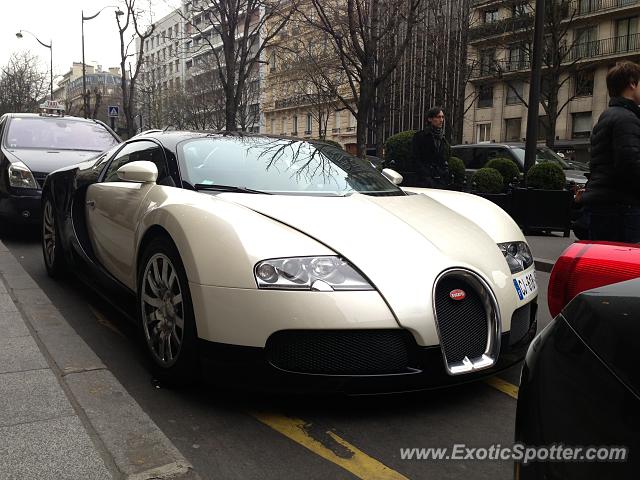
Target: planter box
[548,210]
[503,200]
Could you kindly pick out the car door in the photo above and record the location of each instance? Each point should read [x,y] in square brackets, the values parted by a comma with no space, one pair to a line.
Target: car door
[113,208]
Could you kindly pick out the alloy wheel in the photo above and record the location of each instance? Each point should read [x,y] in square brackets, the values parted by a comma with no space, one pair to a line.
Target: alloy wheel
[49,234]
[162,309]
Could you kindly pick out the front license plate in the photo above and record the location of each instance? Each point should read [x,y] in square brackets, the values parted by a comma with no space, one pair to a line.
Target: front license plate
[526,285]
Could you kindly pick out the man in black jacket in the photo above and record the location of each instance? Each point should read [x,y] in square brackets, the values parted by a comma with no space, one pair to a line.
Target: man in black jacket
[612,195]
[431,152]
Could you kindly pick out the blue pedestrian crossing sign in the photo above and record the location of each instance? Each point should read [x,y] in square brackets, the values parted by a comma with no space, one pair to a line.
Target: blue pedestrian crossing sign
[113,110]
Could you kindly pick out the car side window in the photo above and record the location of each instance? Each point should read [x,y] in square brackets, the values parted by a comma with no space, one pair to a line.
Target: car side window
[479,158]
[133,152]
[465,154]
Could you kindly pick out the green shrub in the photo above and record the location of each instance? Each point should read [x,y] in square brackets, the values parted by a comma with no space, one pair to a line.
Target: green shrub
[330,142]
[546,176]
[507,168]
[398,148]
[487,180]
[457,169]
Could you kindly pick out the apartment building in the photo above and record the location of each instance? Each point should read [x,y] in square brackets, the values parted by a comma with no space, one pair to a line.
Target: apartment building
[599,33]
[163,70]
[105,88]
[297,98]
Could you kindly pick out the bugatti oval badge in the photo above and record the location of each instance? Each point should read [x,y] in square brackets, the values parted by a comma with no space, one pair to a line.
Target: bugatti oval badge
[457,294]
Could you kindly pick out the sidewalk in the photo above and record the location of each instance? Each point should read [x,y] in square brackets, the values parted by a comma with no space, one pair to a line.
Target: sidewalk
[63,415]
[547,248]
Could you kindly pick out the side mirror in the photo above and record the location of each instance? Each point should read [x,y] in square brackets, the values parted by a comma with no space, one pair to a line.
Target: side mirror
[393,176]
[140,171]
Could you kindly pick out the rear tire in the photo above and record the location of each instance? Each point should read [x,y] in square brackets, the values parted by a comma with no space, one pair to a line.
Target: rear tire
[52,252]
[166,317]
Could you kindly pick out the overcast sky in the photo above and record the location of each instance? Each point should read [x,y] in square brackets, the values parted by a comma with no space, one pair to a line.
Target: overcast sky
[60,22]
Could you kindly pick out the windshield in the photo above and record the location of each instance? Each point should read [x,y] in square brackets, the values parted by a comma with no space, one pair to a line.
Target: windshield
[279,166]
[58,134]
[543,154]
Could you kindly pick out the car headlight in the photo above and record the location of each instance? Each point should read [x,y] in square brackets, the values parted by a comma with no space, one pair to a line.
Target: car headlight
[517,254]
[20,176]
[326,273]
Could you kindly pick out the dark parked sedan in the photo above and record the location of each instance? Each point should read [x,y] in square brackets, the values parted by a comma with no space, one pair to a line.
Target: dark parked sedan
[580,384]
[33,145]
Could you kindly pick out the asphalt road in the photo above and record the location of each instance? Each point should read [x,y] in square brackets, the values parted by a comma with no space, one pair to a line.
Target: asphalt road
[233,435]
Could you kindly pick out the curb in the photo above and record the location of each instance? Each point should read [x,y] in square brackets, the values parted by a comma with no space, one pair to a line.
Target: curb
[543,264]
[129,442]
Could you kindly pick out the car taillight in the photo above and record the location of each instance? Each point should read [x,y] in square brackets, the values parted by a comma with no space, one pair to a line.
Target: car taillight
[586,265]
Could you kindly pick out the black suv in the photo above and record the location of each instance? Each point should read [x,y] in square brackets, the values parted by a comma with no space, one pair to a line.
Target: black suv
[476,156]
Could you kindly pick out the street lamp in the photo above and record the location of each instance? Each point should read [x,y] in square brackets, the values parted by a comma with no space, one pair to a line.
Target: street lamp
[50,47]
[84,72]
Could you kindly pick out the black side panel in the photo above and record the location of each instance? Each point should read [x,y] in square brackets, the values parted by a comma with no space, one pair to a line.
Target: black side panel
[567,396]
[608,320]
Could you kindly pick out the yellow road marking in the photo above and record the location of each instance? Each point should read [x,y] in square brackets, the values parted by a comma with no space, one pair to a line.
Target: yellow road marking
[504,386]
[104,322]
[342,454]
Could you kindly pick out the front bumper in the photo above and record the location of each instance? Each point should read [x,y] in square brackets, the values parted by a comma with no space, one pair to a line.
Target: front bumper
[21,206]
[253,368]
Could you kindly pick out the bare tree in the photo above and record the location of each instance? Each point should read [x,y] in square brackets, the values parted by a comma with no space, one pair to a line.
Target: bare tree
[359,31]
[22,83]
[235,33]
[562,50]
[127,38]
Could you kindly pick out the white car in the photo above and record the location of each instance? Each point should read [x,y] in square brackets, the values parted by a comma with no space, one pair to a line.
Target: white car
[284,262]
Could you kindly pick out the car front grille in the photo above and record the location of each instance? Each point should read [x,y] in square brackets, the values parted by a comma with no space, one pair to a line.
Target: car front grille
[462,324]
[40,177]
[341,352]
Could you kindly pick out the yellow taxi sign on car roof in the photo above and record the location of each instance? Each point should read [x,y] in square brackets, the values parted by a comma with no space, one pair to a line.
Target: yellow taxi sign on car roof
[52,108]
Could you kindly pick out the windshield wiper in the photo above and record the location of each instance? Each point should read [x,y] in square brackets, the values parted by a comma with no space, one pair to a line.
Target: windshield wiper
[227,188]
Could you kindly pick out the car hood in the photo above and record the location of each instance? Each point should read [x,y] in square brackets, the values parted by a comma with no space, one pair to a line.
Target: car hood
[47,161]
[401,243]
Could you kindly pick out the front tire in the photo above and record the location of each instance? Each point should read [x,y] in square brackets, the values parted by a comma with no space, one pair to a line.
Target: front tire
[166,316]
[52,252]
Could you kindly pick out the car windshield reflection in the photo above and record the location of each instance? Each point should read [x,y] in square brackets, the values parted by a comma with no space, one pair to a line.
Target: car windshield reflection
[280,166]
[58,134]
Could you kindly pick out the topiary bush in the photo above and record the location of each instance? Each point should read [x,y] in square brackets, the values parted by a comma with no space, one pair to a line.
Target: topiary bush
[457,169]
[330,142]
[398,148]
[487,180]
[507,168]
[546,176]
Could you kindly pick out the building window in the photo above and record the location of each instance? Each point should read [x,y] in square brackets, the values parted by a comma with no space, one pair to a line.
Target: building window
[543,126]
[587,6]
[586,44]
[487,61]
[309,124]
[520,9]
[272,61]
[490,16]
[517,58]
[336,122]
[485,96]
[273,125]
[295,125]
[584,83]
[483,132]
[626,30]
[581,125]
[512,128]
[515,92]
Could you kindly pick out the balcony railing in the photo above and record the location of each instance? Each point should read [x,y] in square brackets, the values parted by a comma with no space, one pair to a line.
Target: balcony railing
[500,27]
[579,51]
[587,7]
[604,47]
